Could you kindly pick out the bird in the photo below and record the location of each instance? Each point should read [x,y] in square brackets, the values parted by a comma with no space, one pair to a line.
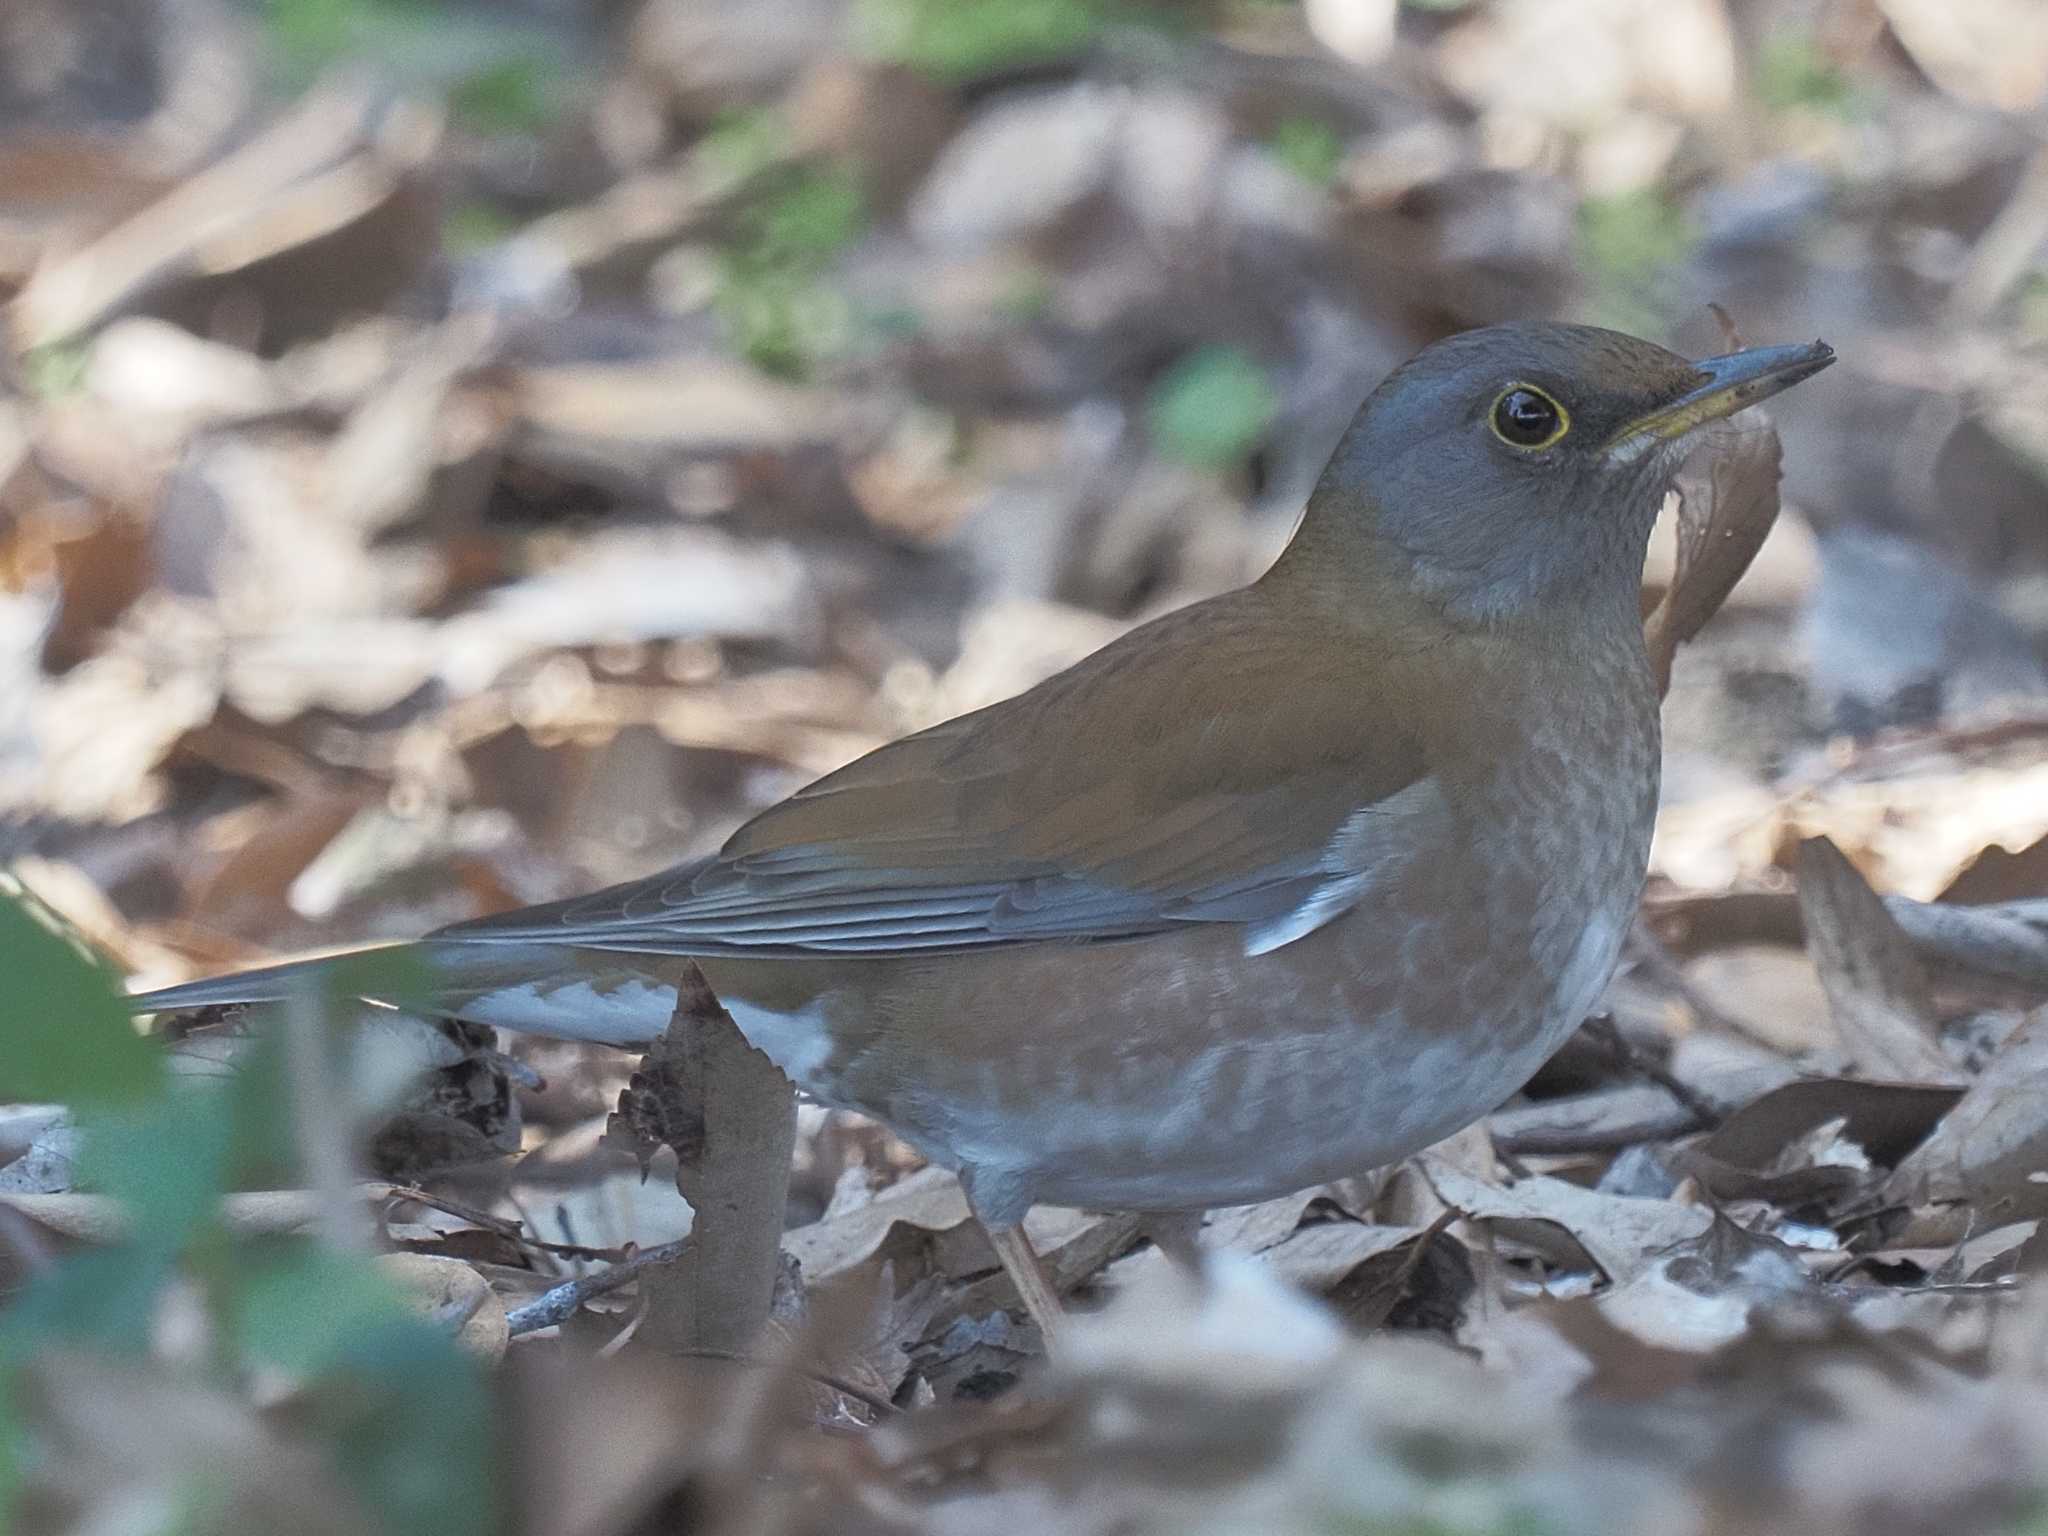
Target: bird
[1278,887]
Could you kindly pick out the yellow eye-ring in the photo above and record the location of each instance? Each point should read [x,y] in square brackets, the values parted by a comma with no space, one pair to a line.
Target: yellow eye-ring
[1523,416]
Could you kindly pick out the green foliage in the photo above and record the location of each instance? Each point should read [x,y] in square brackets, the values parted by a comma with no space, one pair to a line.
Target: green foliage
[510,96]
[1309,147]
[773,296]
[1793,73]
[404,1412]
[959,39]
[473,225]
[166,1160]
[497,77]
[105,1298]
[309,36]
[399,1413]
[1630,245]
[1026,295]
[2032,300]
[1212,407]
[746,141]
[55,371]
[67,1037]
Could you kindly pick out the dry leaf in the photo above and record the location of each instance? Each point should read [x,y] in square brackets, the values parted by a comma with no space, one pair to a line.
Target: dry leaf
[1992,1147]
[1618,1233]
[454,1296]
[730,1116]
[1727,502]
[2008,940]
[1876,987]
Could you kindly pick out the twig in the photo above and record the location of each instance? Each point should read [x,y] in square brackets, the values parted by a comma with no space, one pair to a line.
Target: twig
[557,1305]
[1601,1027]
[518,1233]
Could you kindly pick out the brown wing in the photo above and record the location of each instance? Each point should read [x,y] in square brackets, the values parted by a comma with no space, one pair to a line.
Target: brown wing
[1208,784]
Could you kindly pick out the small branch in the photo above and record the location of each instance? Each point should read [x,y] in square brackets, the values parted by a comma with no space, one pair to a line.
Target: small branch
[556,1306]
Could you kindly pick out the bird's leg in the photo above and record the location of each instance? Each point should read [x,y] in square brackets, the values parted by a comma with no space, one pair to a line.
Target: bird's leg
[1027,1274]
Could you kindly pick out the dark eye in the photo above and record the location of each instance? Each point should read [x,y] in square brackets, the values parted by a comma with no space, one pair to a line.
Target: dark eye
[1525,417]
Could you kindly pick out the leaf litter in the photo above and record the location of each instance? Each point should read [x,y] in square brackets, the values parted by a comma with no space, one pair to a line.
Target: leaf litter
[400,522]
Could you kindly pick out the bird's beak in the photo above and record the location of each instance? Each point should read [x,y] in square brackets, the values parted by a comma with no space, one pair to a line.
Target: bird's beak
[1727,385]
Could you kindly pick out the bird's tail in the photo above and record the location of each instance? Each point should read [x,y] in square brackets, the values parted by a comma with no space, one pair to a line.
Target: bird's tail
[265,984]
[551,990]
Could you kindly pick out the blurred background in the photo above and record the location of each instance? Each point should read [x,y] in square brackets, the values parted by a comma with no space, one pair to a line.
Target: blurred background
[452,455]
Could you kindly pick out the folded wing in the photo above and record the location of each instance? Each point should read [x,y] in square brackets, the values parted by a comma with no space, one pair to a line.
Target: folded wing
[1198,789]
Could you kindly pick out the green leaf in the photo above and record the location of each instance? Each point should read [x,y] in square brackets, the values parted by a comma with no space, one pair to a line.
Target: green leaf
[299,1310]
[65,1036]
[103,1296]
[165,1160]
[405,1410]
[415,1437]
[397,974]
[817,213]
[1213,407]
[11,1444]
[959,39]
[745,141]
[1631,245]
[1309,147]
[1794,73]
[510,96]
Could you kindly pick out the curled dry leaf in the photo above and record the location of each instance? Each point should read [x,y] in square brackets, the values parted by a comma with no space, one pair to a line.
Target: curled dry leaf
[1727,502]
[454,1296]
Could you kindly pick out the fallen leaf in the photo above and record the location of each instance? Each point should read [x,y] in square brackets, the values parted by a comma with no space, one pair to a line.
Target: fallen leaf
[1876,987]
[1991,1148]
[1618,1232]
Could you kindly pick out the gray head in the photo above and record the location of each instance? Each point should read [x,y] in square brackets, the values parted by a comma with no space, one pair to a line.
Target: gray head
[1522,465]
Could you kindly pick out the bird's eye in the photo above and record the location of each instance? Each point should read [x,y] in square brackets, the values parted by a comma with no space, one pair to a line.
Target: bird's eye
[1525,417]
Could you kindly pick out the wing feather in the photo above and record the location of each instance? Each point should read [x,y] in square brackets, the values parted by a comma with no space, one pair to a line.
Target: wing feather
[1240,803]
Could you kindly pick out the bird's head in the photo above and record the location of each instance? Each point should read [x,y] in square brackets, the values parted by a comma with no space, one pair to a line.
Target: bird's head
[1522,465]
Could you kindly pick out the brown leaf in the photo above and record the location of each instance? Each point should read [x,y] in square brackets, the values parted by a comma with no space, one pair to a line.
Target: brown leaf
[1998,874]
[1992,1144]
[1886,1119]
[1727,502]
[1877,989]
[454,1296]
[1619,1233]
[730,1115]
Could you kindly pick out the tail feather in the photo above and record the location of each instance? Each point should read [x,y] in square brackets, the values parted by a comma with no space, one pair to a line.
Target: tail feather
[264,984]
[538,989]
